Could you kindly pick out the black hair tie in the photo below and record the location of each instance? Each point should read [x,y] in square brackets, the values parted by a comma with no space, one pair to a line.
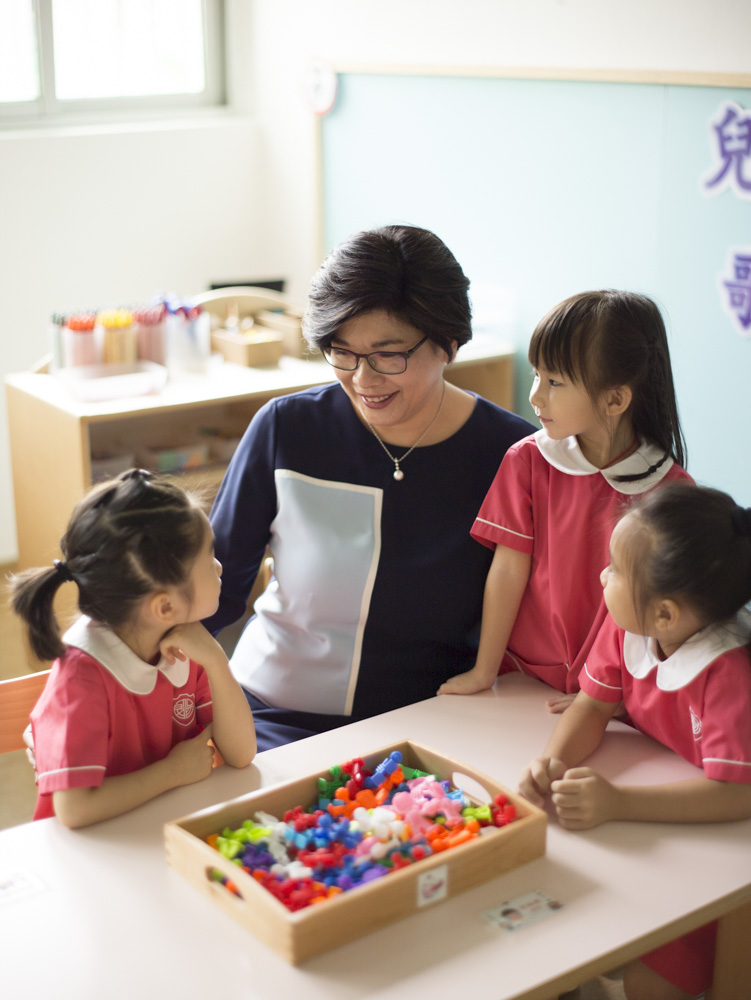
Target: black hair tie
[741,517]
[62,571]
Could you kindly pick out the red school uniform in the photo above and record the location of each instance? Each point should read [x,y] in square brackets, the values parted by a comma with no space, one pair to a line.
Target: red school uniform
[698,703]
[104,712]
[548,501]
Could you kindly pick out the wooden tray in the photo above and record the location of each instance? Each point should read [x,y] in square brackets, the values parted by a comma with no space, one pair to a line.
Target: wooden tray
[302,934]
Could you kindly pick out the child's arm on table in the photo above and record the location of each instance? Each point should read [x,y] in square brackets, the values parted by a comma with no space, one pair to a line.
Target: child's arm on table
[577,734]
[584,799]
[504,588]
[186,762]
[233,731]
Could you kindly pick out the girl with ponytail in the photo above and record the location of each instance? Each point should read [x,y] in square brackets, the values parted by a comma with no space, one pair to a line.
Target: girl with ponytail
[138,685]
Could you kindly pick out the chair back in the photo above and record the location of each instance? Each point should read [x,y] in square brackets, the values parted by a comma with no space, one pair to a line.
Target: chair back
[17,698]
[247,299]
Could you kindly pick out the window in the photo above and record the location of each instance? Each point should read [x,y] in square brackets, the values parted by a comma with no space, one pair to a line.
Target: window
[84,58]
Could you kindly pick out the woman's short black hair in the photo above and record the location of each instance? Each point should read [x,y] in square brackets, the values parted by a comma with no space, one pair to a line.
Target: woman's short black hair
[406,271]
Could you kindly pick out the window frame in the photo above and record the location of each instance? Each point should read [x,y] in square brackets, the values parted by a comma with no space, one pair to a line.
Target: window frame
[48,109]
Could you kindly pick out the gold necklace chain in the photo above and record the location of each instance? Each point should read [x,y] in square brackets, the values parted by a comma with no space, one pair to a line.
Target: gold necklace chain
[398,474]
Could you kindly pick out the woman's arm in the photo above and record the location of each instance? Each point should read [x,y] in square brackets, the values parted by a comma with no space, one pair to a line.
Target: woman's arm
[504,588]
[233,731]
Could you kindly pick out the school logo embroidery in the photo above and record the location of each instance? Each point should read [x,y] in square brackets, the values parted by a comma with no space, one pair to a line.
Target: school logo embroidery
[184,709]
[695,725]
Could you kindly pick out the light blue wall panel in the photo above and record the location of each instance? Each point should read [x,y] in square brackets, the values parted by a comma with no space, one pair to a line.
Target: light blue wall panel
[549,188]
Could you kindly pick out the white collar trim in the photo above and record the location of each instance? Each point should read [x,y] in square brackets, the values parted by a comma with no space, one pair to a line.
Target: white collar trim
[567,456]
[690,659]
[129,670]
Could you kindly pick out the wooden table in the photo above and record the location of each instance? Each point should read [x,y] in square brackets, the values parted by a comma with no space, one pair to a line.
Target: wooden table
[104,915]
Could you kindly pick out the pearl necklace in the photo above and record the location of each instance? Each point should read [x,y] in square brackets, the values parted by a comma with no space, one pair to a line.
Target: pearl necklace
[398,474]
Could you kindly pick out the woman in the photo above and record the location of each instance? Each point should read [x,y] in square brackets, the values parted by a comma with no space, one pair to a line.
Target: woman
[365,491]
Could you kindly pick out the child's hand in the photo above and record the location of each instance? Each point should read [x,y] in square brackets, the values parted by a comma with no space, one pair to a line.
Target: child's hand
[468,683]
[192,641]
[559,703]
[193,759]
[584,799]
[537,780]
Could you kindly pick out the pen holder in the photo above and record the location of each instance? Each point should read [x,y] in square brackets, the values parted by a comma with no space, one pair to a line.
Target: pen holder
[188,340]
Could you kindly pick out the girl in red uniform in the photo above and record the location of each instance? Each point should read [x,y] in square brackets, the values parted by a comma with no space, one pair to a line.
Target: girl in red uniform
[675,650]
[138,685]
[603,391]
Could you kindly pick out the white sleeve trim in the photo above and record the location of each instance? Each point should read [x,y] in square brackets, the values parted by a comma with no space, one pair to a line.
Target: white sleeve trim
[500,527]
[70,770]
[611,687]
[723,760]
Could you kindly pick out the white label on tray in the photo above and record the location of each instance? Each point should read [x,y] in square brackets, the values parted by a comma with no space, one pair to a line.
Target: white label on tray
[433,885]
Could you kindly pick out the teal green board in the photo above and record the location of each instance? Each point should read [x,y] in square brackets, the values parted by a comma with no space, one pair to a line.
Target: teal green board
[544,189]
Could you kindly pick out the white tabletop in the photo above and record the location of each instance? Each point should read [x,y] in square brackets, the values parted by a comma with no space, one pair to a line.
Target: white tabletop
[103,915]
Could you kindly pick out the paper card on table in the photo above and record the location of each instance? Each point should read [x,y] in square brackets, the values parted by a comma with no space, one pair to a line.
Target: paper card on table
[16,883]
[521,911]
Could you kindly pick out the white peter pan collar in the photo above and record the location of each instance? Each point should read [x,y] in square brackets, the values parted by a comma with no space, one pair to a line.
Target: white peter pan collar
[687,662]
[567,456]
[130,670]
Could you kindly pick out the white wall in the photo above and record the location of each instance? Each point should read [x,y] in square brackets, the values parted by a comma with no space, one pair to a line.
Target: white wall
[107,216]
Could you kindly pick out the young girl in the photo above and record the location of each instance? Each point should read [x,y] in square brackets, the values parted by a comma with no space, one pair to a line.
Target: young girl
[603,391]
[138,685]
[674,650]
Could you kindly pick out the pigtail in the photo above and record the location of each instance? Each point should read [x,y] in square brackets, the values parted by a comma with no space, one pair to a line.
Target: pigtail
[32,596]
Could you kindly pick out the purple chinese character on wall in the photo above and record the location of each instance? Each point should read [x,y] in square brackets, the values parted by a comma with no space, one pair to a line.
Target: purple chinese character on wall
[730,138]
[736,293]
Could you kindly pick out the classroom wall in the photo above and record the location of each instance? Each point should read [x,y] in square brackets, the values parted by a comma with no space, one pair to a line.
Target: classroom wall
[690,35]
[114,214]
[573,185]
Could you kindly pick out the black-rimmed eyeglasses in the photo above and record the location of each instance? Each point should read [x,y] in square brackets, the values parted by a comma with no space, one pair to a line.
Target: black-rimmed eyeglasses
[383,362]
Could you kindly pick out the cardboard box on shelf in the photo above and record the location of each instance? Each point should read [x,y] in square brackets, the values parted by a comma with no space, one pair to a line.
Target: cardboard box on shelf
[255,348]
[288,323]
